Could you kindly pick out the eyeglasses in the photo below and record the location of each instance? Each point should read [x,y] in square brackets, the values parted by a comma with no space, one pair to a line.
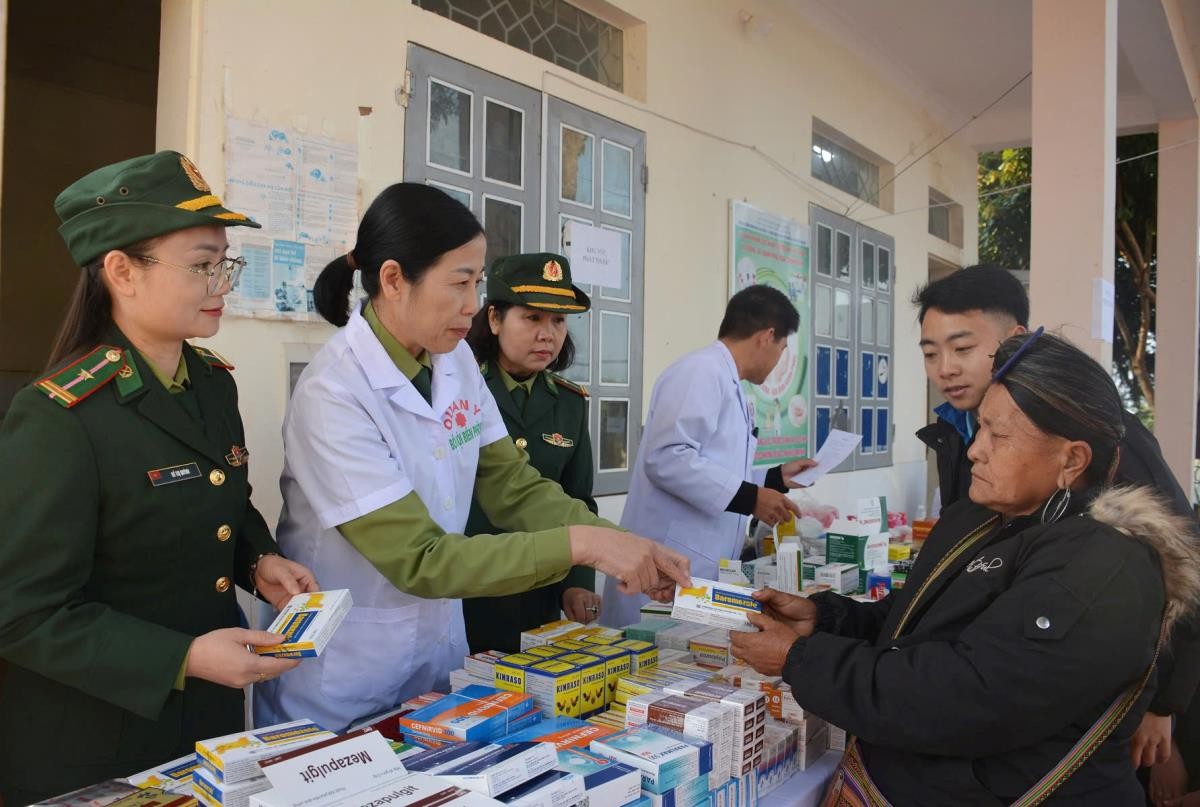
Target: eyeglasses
[226,270]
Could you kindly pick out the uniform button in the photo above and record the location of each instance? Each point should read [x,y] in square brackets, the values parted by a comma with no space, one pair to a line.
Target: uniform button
[217,477]
[522,443]
[448,503]
[113,356]
[222,585]
[1043,623]
[223,533]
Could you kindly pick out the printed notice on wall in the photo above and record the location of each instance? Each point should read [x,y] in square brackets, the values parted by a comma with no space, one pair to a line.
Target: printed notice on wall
[303,190]
[773,250]
[595,255]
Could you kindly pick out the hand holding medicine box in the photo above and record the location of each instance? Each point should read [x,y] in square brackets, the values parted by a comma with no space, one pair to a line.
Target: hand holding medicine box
[719,605]
[307,623]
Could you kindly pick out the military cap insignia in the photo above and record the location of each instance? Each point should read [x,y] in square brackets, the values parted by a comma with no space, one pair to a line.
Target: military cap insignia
[212,357]
[193,173]
[557,439]
[81,378]
[552,271]
[578,389]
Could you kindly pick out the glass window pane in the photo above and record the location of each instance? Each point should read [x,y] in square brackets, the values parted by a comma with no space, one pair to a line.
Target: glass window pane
[885,269]
[868,265]
[614,348]
[867,430]
[824,250]
[622,292]
[576,162]
[843,256]
[824,371]
[616,195]
[449,127]
[866,320]
[614,435]
[456,193]
[503,146]
[845,169]
[823,311]
[883,315]
[502,222]
[579,326]
[841,375]
[867,363]
[841,314]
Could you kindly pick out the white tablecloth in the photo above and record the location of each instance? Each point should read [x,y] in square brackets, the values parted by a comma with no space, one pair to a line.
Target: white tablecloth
[805,788]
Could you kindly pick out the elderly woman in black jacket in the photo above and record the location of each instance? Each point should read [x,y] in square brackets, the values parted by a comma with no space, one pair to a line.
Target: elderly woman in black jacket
[1012,666]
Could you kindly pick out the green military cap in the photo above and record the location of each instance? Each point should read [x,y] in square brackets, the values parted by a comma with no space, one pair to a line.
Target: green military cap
[126,202]
[538,280]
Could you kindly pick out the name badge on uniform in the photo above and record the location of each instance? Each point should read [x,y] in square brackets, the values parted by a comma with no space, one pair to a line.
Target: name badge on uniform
[173,474]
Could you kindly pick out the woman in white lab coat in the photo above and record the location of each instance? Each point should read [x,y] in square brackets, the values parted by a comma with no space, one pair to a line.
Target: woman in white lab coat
[390,431]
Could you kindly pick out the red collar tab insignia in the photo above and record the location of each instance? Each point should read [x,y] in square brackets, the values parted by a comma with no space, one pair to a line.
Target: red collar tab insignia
[237,456]
[552,271]
[557,439]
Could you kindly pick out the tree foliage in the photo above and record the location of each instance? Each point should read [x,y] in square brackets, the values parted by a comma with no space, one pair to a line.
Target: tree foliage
[1004,180]
[1004,235]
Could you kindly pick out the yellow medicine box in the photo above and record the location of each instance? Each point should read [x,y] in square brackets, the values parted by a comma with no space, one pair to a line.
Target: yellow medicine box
[509,672]
[592,686]
[555,687]
[570,645]
[617,661]
[645,655]
[546,651]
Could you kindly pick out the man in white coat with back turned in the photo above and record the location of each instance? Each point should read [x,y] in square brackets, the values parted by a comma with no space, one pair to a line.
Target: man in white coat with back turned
[694,485]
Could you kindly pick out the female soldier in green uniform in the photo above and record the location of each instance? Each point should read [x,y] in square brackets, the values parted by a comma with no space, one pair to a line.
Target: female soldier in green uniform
[520,338]
[127,507]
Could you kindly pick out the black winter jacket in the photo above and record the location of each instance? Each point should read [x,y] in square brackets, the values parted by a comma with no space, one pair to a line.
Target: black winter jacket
[1009,655]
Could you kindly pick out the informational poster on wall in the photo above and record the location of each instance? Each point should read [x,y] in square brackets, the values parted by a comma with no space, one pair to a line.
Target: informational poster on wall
[774,251]
[303,190]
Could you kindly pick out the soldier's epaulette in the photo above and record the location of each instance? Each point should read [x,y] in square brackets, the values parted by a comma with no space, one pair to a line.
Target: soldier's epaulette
[81,378]
[578,389]
[211,356]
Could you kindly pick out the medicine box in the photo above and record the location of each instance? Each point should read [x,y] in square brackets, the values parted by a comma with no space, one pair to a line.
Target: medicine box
[307,623]
[718,605]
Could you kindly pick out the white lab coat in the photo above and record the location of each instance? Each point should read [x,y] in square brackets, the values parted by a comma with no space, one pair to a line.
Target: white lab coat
[696,451]
[358,436]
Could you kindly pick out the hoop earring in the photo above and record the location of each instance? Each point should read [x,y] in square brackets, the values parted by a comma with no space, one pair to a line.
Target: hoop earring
[1061,500]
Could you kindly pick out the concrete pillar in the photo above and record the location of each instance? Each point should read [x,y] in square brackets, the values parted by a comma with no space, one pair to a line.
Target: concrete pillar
[1074,153]
[1176,328]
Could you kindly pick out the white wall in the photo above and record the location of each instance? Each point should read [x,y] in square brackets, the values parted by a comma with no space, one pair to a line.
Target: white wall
[312,64]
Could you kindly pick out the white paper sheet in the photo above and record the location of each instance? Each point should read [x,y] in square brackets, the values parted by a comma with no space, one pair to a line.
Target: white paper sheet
[838,445]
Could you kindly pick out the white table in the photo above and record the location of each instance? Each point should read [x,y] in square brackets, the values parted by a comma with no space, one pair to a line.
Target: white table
[806,788]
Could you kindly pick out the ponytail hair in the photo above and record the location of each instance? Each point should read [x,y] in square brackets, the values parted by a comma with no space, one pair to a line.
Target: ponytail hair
[89,314]
[410,223]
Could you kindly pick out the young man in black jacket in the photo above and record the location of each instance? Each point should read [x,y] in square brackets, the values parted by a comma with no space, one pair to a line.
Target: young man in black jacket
[964,317]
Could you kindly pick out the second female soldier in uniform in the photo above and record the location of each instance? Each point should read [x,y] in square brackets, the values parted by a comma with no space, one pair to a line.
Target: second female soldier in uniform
[127,514]
[520,338]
